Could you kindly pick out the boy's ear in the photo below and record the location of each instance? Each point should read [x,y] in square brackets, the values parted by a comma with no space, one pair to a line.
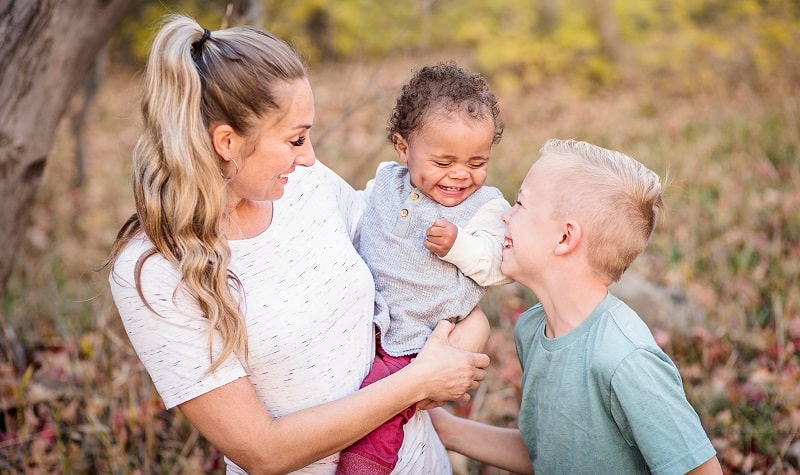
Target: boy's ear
[571,236]
[400,146]
[225,141]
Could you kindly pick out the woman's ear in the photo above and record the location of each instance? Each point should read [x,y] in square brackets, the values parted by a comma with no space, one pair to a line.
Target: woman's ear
[225,141]
[400,146]
[571,236]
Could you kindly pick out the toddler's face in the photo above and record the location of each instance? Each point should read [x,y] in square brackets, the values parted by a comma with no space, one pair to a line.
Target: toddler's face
[448,157]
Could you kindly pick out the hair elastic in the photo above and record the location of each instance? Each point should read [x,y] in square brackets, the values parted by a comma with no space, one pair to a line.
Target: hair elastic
[197,46]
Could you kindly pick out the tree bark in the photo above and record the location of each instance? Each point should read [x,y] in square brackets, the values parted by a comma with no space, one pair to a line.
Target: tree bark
[605,23]
[549,15]
[46,49]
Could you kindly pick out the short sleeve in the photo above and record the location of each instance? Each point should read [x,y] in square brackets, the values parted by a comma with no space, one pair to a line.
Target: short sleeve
[171,337]
[650,408]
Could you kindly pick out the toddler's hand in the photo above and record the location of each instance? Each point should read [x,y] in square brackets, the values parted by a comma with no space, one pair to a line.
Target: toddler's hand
[439,238]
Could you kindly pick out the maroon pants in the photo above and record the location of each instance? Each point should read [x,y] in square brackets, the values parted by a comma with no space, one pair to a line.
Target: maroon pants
[377,452]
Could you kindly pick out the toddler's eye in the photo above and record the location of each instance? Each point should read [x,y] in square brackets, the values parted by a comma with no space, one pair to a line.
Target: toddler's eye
[300,141]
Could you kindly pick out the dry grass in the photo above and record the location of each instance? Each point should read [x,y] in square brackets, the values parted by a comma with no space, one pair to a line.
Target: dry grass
[74,399]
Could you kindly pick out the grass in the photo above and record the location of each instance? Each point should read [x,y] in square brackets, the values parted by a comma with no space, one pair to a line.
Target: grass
[75,399]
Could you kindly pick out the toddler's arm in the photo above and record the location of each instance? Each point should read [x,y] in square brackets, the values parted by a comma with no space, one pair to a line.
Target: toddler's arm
[472,332]
[477,249]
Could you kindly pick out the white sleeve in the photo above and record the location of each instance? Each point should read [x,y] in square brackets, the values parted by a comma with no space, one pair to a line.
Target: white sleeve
[478,249]
[171,337]
[350,201]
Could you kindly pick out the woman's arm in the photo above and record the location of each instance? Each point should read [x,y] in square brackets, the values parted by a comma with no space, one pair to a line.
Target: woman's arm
[497,446]
[235,421]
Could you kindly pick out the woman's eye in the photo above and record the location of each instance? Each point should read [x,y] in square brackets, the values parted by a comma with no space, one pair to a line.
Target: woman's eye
[300,141]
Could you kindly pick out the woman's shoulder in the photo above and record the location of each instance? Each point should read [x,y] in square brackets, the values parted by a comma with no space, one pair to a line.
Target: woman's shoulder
[124,267]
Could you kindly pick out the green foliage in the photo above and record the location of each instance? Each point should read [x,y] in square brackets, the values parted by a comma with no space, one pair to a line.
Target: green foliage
[131,40]
[699,42]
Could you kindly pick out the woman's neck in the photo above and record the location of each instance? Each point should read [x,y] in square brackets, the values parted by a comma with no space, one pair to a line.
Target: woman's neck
[247,219]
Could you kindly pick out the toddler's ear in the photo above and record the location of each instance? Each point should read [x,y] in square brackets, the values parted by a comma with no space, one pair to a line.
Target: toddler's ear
[400,146]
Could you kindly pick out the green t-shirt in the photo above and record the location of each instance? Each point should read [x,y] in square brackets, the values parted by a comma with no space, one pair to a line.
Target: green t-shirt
[604,398]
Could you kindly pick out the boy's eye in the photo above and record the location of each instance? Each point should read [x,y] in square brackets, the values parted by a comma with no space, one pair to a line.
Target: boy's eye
[300,141]
[442,164]
[477,165]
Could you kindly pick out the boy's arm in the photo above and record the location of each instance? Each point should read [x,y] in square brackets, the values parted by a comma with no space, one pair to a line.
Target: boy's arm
[710,467]
[478,248]
[497,446]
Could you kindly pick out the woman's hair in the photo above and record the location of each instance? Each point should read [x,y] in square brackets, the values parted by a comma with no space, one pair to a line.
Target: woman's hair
[442,87]
[616,198]
[196,79]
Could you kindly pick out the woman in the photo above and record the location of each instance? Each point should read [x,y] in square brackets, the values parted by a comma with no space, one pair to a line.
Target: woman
[237,280]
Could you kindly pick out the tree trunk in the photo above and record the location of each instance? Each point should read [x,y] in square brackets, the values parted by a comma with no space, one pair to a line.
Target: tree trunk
[549,16]
[46,49]
[606,25]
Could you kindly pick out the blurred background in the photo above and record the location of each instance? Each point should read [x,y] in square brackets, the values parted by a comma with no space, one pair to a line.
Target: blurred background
[705,92]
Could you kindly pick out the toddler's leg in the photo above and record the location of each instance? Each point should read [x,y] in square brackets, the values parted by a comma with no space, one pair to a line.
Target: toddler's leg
[377,452]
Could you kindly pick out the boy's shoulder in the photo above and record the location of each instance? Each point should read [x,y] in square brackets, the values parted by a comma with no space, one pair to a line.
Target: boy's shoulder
[529,321]
[623,335]
[628,324]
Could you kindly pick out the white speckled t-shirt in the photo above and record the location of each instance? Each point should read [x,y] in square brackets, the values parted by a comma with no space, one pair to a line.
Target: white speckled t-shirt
[309,305]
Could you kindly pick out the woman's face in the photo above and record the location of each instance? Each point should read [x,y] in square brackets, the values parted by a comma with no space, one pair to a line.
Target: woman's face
[282,142]
[448,157]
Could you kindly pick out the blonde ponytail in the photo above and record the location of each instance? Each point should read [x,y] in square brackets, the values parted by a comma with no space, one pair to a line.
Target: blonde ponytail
[227,78]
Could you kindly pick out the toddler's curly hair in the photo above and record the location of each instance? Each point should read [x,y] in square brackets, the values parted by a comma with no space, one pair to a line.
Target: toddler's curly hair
[442,87]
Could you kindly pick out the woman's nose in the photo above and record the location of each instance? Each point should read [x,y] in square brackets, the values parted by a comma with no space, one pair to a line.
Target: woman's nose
[307,158]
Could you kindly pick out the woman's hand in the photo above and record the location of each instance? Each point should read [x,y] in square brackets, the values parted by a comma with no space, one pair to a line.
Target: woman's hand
[448,372]
[234,420]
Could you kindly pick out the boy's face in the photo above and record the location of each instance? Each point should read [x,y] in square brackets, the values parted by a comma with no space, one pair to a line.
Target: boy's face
[532,233]
[448,157]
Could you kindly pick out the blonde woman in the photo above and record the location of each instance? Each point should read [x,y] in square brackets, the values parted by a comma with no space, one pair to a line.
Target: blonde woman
[236,278]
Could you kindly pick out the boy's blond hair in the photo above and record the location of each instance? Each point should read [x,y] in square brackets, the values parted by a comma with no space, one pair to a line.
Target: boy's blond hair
[614,197]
